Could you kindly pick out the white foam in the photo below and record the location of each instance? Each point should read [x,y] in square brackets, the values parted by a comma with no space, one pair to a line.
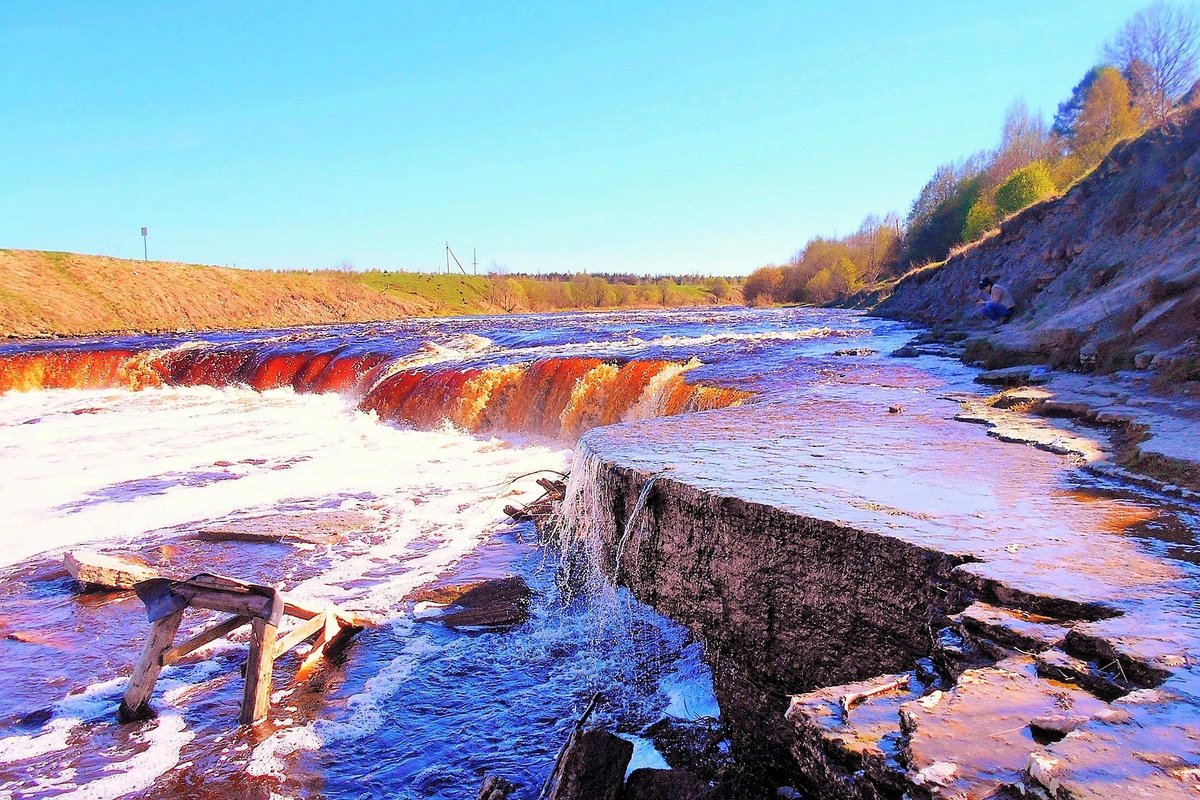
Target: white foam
[365,718]
[164,742]
[144,462]
[71,479]
[645,755]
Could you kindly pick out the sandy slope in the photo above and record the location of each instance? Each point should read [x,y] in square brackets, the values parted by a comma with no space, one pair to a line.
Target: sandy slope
[65,293]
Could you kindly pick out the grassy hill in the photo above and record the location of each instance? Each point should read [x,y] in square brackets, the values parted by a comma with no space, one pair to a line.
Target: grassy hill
[51,293]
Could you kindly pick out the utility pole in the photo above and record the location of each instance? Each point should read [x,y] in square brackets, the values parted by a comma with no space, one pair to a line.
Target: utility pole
[450,255]
[474,260]
[145,247]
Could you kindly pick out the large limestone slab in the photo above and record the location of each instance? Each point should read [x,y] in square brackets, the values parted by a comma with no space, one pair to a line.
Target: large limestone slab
[976,738]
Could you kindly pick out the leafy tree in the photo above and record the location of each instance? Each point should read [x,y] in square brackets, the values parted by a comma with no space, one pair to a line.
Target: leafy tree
[981,218]
[1157,51]
[832,283]
[1023,188]
[938,216]
[762,284]
[1068,110]
[1023,141]
[1106,117]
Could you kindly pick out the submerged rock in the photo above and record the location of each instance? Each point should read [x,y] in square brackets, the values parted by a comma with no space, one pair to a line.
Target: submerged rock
[495,788]
[494,603]
[592,767]
[96,571]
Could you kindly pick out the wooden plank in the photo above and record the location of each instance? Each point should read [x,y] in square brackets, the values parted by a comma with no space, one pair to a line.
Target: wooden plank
[256,700]
[299,633]
[248,605]
[301,611]
[134,704]
[203,638]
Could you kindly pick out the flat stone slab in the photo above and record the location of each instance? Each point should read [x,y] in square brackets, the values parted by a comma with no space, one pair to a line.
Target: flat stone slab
[93,571]
[1027,375]
[866,737]
[1034,531]
[492,603]
[310,527]
[974,739]
[1019,629]
[1147,745]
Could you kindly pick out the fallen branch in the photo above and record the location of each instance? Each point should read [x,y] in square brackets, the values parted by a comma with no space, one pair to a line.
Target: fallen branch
[848,701]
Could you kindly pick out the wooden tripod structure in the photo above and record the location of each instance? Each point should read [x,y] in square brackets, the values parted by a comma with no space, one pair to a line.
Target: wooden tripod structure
[262,607]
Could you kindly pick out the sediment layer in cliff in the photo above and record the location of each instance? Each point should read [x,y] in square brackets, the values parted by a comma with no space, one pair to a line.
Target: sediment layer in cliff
[1105,277]
[896,603]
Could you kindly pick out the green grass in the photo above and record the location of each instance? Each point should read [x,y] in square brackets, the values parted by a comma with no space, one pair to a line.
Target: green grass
[449,294]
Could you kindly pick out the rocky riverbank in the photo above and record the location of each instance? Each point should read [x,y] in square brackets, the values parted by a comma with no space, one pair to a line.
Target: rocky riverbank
[1106,278]
[895,602]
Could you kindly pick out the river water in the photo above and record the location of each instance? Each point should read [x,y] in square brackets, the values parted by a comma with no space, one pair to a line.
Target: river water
[402,442]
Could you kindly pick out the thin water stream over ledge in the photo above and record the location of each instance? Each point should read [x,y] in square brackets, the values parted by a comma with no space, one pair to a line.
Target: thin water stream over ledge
[408,437]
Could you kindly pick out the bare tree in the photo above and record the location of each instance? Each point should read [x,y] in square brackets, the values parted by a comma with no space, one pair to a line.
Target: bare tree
[1157,51]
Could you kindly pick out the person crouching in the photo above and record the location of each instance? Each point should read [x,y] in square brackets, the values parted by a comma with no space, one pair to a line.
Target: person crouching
[998,303]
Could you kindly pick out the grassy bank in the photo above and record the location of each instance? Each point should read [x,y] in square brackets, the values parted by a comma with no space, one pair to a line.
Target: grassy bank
[45,293]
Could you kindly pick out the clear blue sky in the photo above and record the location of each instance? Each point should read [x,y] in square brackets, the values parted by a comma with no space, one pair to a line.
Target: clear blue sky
[650,137]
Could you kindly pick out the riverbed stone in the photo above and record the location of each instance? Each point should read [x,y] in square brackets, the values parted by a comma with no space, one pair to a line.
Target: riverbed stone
[975,738]
[665,784]
[592,767]
[490,603]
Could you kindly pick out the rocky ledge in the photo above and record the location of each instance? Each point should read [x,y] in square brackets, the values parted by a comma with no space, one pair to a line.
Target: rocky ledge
[897,604]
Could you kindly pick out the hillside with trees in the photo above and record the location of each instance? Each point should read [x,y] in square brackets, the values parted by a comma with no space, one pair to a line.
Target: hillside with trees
[1147,74]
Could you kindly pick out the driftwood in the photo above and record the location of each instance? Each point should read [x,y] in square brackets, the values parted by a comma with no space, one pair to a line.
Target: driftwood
[848,701]
[98,571]
[538,510]
[262,607]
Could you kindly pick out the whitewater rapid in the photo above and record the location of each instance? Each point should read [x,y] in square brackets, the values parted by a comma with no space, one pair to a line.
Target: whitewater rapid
[125,471]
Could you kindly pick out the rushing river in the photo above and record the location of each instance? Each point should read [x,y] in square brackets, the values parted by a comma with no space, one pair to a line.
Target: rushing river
[405,440]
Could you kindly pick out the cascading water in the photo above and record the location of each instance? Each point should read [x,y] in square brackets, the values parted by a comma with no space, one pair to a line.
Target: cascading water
[227,427]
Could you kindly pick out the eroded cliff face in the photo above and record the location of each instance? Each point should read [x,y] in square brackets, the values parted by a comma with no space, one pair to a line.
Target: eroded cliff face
[1105,277]
[784,603]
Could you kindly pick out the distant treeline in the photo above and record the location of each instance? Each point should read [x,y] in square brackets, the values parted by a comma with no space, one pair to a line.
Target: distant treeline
[553,292]
[518,292]
[1148,70]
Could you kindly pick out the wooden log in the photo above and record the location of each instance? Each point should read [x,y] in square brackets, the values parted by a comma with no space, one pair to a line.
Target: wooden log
[256,700]
[241,603]
[306,629]
[136,702]
[95,570]
[203,638]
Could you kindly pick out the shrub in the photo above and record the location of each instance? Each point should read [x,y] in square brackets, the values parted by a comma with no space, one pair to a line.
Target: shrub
[981,218]
[1023,188]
